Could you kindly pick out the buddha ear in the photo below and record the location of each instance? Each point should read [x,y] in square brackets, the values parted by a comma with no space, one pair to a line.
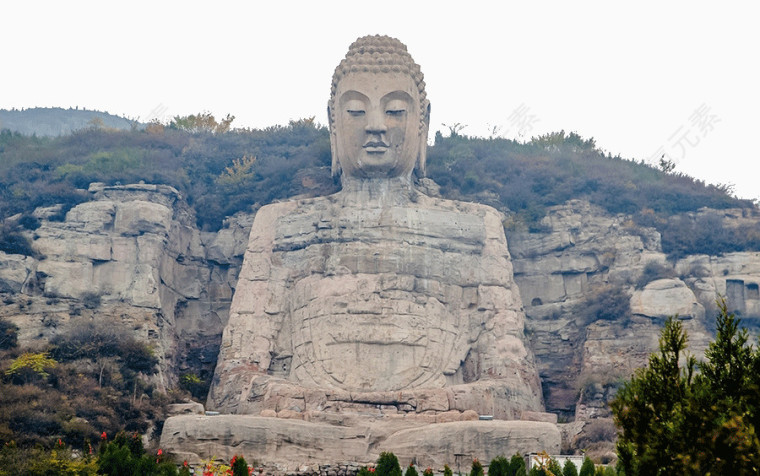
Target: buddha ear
[333,143]
[424,128]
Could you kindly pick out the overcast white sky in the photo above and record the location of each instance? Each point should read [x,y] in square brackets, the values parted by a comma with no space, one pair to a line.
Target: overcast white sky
[647,78]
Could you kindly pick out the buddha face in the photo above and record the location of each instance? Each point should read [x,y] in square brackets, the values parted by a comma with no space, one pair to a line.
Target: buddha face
[377,125]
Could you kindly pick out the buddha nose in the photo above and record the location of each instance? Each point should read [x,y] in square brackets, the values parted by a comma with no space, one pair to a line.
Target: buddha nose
[376,121]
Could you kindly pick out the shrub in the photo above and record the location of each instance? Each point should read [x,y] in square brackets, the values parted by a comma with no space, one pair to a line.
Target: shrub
[499,466]
[184,470]
[477,468]
[411,470]
[587,468]
[516,465]
[91,300]
[14,243]
[607,302]
[447,470]
[554,466]
[239,466]
[600,429]
[125,456]
[8,334]
[30,366]
[193,384]
[569,469]
[652,271]
[29,222]
[42,462]
[387,465]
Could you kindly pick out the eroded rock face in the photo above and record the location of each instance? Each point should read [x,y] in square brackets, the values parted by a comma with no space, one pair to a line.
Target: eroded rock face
[586,249]
[666,297]
[287,444]
[374,291]
[132,253]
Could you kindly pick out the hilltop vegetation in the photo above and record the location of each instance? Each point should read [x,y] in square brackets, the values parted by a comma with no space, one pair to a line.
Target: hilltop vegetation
[222,171]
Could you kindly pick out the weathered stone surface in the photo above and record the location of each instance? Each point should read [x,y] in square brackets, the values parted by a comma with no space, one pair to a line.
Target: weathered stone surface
[666,297]
[142,217]
[376,295]
[539,416]
[277,440]
[436,445]
[192,408]
[135,247]
[15,270]
[584,249]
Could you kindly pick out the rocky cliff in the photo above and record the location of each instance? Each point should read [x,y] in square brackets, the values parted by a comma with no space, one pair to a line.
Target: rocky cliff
[595,288]
[131,256]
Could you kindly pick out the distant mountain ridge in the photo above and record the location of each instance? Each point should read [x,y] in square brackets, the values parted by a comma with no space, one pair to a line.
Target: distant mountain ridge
[57,121]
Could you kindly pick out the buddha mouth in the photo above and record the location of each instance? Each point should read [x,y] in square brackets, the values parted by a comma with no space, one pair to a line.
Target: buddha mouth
[375,147]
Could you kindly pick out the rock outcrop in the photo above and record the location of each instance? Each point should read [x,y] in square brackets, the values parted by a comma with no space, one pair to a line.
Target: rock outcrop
[132,255]
[287,444]
[586,252]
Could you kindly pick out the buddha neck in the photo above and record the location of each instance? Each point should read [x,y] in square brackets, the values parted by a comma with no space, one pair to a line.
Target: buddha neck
[378,191]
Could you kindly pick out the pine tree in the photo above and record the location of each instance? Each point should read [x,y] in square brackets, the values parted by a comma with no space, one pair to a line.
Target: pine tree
[387,465]
[676,421]
[499,466]
[516,465]
[477,468]
[569,469]
[587,468]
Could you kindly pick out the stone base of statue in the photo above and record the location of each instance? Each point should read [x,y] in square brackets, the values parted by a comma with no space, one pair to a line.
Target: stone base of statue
[291,445]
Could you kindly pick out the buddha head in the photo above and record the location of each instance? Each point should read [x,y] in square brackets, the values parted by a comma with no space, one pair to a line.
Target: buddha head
[378,111]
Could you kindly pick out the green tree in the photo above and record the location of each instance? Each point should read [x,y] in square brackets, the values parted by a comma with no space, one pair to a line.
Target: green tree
[387,465]
[477,468]
[648,408]
[125,456]
[675,421]
[239,466]
[569,469]
[499,466]
[411,470]
[447,470]
[516,465]
[587,468]
[554,467]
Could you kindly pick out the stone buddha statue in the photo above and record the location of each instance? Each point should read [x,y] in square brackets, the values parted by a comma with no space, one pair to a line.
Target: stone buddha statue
[377,298]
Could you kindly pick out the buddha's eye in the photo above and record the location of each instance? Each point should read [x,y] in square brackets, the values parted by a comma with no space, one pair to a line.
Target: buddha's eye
[355,108]
[395,108]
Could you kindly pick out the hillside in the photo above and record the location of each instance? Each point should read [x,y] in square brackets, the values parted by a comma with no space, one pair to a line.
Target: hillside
[56,121]
[602,250]
[222,173]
